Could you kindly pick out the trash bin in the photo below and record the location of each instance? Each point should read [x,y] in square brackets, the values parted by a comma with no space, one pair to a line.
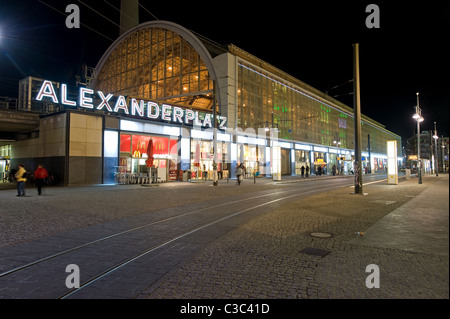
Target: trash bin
[408,173]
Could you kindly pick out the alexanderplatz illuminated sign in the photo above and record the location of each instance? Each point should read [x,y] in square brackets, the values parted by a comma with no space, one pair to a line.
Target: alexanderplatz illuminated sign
[153,111]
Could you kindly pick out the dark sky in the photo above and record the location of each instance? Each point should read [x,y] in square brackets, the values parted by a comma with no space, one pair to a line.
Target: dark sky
[311,40]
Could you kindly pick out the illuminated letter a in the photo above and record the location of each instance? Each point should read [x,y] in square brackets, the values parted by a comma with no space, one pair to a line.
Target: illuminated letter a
[73,19]
[373,280]
[373,20]
[73,280]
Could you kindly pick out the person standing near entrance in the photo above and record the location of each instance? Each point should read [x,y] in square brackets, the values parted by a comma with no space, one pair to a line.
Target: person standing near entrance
[307,170]
[20,178]
[303,170]
[205,173]
[40,174]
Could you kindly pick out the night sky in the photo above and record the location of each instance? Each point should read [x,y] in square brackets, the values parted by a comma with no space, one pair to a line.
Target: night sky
[311,40]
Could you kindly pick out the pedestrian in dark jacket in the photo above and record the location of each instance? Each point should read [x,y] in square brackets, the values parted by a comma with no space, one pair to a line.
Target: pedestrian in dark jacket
[40,174]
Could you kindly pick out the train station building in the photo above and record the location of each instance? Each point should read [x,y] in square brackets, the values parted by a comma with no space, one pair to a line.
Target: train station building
[161,82]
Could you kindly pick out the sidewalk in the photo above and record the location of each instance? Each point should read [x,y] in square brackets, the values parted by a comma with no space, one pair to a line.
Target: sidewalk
[274,255]
[420,225]
[259,180]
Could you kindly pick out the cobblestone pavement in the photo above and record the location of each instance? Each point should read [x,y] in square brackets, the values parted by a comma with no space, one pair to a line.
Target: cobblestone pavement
[263,258]
[271,256]
[61,209]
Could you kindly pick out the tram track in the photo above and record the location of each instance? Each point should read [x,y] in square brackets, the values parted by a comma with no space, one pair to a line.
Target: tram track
[103,239]
[216,218]
[152,249]
[126,232]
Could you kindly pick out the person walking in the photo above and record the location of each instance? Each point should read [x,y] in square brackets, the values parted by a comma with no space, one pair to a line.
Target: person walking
[40,174]
[20,178]
[307,170]
[239,172]
[334,169]
[303,170]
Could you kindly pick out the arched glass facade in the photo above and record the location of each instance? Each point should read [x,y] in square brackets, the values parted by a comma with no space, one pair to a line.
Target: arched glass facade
[159,65]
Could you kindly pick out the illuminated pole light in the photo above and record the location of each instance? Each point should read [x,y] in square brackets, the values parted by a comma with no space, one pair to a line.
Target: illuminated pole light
[443,157]
[435,136]
[392,167]
[418,117]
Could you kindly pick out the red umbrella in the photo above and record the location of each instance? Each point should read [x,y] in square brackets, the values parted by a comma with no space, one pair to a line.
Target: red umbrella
[150,158]
[197,155]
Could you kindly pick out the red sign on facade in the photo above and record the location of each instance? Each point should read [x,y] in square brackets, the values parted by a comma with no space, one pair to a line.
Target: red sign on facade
[137,145]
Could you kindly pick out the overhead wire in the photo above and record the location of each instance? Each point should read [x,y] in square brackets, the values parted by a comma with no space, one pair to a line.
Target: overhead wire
[127,14]
[148,11]
[84,25]
[103,16]
[99,13]
[351,80]
[120,28]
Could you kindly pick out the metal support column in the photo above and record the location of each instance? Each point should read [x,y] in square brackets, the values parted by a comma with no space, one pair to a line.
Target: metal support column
[357,119]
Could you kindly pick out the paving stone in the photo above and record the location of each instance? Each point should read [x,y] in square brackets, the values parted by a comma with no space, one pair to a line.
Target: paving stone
[253,256]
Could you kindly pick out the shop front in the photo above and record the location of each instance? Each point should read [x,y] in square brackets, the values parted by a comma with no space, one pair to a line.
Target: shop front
[251,151]
[320,160]
[285,161]
[202,160]
[254,159]
[5,159]
[379,164]
[179,153]
[201,155]
[134,149]
[302,162]
[365,164]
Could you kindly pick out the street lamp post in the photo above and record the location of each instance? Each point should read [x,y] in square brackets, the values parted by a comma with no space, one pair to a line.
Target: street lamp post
[418,117]
[357,120]
[337,142]
[435,136]
[443,157]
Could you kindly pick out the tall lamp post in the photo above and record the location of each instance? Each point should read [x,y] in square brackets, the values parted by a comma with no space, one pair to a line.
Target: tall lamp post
[435,136]
[418,117]
[357,120]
